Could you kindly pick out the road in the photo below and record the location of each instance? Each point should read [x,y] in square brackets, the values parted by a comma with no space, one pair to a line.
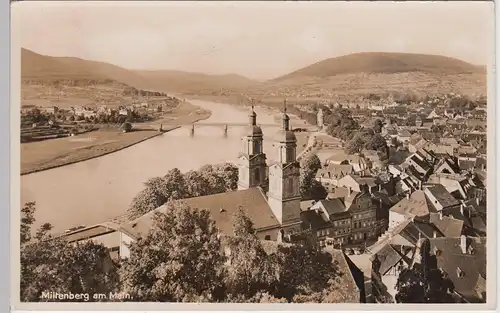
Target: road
[310,143]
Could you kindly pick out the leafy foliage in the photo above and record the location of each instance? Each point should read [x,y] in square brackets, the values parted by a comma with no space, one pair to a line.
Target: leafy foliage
[182,258]
[209,179]
[355,145]
[179,260]
[377,126]
[53,265]
[340,123]
[126,127]
[309,187]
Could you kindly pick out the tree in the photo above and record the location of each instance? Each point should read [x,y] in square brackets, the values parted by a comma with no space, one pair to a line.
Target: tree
[51,264]
[424,282]
[309,166]
[355,145]
[228,172]
[209,179]
[126,127]
[377,126]
[395,142]
[377,142]
[251,269]
[178,260]
[27,219]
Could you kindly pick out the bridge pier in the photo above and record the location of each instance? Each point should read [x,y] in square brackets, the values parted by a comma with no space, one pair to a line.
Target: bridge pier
[225,130]
[192,130]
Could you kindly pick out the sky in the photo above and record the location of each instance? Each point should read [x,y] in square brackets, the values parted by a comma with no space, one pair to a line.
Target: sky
[255,39]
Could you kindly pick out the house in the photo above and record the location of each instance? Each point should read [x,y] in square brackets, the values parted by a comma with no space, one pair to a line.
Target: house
[338,221]
[439,197]
[420,163]
[123,112]
[449,141]
[337,158]
[467,161]
[404,136]
[330,174]
[433,115]
[359,183]
[463,259]
[413,205]
[333,213]
[455,184]
[359,163]
[374,159]
[447,165]
[364,216]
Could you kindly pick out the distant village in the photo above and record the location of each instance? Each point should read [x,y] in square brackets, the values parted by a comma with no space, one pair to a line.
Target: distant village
[48,122]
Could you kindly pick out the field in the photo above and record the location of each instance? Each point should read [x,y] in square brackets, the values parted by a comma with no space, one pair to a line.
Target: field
[64,96]
[47,154]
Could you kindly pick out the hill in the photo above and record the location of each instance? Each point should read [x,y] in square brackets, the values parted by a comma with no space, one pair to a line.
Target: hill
[384,63]
[187,82]
[37,67]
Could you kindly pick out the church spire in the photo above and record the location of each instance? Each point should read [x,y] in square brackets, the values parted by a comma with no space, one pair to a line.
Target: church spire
[286,119]
[253,116]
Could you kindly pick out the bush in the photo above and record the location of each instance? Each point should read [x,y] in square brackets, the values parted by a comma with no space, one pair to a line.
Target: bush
[126,127]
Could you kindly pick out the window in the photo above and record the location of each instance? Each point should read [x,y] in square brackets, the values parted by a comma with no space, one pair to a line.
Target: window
[256,174]
[290,154]
[256,147]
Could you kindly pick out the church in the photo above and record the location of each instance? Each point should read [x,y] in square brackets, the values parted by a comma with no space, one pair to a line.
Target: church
[276,213]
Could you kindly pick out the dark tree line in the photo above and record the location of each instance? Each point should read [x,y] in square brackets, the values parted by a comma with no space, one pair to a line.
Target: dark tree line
[209,179]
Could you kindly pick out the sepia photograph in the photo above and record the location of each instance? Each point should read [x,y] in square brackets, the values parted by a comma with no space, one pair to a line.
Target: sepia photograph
[252,153]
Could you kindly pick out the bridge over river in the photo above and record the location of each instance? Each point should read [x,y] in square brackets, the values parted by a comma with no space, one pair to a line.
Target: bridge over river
[222,125]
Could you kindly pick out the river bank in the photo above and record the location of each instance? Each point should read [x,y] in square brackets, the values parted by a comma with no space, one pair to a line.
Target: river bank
[49,154]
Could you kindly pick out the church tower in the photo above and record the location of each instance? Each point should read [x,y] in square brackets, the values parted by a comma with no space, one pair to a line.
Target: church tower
[284,194]
[252,160]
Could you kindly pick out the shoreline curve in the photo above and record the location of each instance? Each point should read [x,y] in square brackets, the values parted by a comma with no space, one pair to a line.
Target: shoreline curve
[173,127]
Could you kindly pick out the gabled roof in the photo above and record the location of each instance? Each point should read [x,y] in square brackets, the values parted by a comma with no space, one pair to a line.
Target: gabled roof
[416,205]
[222,207]
[334,171]
[472,265]
[449,226]
[388,258]
[442,196]
[313,219]
[338,192]
[333,206]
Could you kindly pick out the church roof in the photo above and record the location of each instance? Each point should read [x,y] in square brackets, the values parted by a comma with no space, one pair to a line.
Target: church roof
[252,131]
[285,136]
[222,207]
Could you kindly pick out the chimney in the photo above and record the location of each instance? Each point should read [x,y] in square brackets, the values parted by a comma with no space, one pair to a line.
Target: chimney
[477,200]
[463,244]
[434,234]
[408,196]
[349,191]
[440,215]
[380,187]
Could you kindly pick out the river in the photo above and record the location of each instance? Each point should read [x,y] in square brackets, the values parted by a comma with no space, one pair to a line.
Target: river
[97,190]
